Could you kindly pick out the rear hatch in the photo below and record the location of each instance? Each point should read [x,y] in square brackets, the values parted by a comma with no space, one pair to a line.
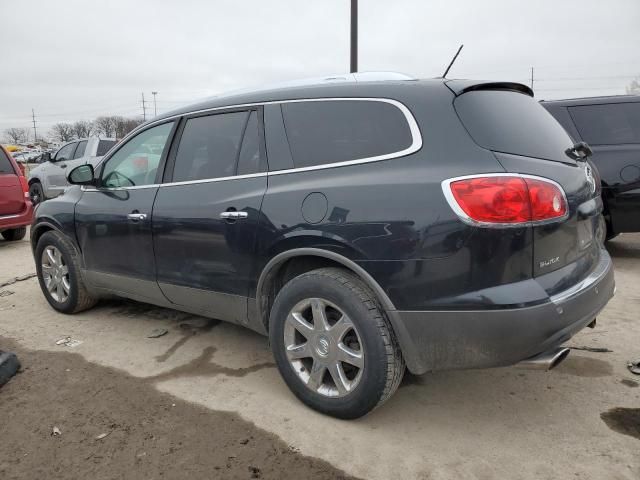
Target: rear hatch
[526,139]
[11,190]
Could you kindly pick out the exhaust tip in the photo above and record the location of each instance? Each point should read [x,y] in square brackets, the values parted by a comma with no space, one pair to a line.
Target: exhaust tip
[559,357]
[545,361]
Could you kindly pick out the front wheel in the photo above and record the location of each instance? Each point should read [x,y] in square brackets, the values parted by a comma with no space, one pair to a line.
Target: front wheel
[59,274]
[332,344]
[36,193]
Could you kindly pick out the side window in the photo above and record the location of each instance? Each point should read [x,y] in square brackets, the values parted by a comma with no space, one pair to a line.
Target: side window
[609,124]
[82,146]
[66,152]
[323,132]
[249,160]
[136,162]
[5,164]
[209,147]
[104,146]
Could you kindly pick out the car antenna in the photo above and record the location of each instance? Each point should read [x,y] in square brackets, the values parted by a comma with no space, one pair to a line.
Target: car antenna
[444,75]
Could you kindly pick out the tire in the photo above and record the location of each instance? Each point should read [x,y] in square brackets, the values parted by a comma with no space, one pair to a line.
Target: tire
[340,295]
[607,228]
[14,234]
[36,193]
[77,298]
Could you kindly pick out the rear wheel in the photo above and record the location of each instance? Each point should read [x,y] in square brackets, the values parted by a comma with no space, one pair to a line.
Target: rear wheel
[14,234]
[36,193]
[59,274]
[332,344]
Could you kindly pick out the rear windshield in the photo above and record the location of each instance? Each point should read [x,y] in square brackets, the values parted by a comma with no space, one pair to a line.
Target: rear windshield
[5,164]
[512,122]
[104,146]
[609,124]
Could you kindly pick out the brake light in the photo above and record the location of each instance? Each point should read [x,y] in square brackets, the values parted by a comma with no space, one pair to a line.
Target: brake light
[505,199]
[25,185]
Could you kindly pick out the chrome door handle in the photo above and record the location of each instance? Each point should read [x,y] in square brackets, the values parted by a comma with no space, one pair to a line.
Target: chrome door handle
[233,215]
[137,216]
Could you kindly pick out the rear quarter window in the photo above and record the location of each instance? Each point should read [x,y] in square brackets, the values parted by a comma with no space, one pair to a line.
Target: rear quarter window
[331,131]
[512,122]
[608,124]
[5,164]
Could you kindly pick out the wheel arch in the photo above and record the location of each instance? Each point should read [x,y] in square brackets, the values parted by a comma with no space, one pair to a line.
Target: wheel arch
[291,263]
[43,227]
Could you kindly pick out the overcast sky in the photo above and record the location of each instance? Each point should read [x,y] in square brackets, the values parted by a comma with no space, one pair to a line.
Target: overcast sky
[72,59]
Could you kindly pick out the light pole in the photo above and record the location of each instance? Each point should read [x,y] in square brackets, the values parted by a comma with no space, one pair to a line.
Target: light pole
[155,108]
[354,36]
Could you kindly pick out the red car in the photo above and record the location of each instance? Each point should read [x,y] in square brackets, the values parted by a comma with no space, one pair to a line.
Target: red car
[16,210]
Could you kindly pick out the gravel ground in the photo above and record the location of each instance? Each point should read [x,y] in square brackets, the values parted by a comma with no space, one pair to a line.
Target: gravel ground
[579,421]
[112,425]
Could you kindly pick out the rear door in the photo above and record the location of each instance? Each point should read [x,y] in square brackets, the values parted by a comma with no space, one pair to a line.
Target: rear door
[205,217]
[526,139]
[11,192]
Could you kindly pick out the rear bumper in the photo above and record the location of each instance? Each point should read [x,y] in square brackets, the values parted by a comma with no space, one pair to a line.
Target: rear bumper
[21,219]
[441,340]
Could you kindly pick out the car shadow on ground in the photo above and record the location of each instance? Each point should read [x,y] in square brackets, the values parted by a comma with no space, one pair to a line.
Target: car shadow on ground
[625,246]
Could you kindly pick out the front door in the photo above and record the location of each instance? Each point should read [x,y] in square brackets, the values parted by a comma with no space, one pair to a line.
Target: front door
[57,169]
[205,217]
[113,221]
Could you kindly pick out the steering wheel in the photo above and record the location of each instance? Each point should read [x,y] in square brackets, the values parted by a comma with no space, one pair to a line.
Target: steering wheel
[120,179]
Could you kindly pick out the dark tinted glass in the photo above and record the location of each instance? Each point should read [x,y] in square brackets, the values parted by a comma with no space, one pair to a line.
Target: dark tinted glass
[5,164]
[512,122]
[82,146]
[209,147]
[249,160]
[610,124]
[104,146]
[336,131]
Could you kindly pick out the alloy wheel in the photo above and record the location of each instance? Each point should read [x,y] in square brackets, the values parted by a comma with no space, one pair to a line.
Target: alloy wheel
[55,274]
[324,347]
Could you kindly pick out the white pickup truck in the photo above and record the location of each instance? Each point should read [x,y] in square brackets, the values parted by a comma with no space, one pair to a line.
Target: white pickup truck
[49,179]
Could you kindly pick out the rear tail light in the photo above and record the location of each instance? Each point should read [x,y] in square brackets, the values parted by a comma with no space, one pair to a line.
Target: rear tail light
[25,185]
[505,200]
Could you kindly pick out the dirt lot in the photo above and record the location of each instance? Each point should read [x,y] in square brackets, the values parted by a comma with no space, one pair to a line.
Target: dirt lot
[234,418]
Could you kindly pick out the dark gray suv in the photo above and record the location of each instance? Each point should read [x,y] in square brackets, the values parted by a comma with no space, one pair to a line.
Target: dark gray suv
[362,226]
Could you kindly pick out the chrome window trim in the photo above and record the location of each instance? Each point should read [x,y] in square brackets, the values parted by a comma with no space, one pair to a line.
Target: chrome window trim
[448,194]
[416,143]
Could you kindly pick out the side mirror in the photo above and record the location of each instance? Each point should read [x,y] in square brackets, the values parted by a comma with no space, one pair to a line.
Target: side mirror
[46,157]
[82,175]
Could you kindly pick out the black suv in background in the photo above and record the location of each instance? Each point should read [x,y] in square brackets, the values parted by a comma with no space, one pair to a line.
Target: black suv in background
[611,127]
[362,226]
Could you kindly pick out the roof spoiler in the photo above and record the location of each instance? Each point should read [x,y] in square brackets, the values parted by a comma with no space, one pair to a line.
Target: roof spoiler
[458,87]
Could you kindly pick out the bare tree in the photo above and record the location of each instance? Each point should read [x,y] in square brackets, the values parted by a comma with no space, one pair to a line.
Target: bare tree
[105,126]
[125,125]
[62,132]
[17,135]
[634,87]
[82,128]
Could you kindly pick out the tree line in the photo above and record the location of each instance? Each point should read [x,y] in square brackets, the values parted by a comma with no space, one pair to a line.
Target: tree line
[113,126]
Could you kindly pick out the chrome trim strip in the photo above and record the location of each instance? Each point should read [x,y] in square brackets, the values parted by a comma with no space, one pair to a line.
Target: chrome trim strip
[448,194]
[416,143]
